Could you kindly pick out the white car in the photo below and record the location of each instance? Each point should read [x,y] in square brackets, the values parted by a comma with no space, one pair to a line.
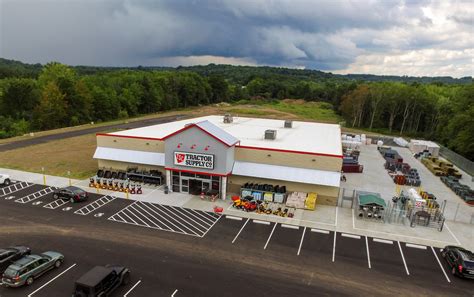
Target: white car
[5,179]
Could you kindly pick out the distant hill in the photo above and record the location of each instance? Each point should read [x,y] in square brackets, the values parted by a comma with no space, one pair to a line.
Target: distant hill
[237,74]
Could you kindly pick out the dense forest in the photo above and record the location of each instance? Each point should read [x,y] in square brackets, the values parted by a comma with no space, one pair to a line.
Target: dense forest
[37,97]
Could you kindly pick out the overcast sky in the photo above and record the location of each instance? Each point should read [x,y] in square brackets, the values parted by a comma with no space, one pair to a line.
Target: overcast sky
[431,38]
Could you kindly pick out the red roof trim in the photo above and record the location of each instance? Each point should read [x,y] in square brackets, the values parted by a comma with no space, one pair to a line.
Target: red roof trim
[197,172]
[197,126]
[128,136]
[288,151]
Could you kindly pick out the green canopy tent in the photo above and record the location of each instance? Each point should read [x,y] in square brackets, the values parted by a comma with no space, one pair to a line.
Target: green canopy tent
[371,200]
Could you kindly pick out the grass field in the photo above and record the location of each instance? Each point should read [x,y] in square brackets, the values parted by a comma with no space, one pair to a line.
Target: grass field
[75,154]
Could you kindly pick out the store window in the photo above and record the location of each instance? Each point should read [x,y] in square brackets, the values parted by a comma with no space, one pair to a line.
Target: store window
[203,176]
[188,174]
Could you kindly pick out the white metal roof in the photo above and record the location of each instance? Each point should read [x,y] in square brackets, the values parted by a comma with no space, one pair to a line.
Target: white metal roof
[424,142]
[138,157]
[304,136]
[217,132]
[293,174]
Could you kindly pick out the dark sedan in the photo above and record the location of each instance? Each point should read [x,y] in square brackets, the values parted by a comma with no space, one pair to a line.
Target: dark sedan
[461,261]
[71,193]
[11,254]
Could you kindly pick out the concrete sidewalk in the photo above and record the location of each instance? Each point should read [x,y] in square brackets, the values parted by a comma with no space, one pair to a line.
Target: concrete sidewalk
[323,217]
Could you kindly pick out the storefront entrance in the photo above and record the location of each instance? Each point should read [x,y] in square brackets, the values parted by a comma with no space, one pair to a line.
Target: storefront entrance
[194,184]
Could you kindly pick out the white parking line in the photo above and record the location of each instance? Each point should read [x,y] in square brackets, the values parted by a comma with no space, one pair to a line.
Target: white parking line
[403,257]
[184,210]
[155,210]
[319,231]
[261,222]
[368,254]
[290,226]
[350,235]
[151,215]
[416,246]
[334,247]
[35,291]
[382,240]
[56,204]
[441,266]
[85,210]
[235,238]
[301,242]
[270,236]
[131,289]
[233,218]
[175,291]
[211,226]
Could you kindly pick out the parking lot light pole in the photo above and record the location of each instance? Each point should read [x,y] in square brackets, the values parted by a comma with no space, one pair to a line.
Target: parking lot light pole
[44,176]
[69,176]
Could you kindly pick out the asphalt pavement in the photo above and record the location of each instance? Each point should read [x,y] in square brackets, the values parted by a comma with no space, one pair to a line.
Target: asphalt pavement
[230,256]
[47,138]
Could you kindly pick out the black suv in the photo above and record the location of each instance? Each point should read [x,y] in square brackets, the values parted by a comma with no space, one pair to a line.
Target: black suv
[11,254]
[101,281]
[460,260]
[71,193]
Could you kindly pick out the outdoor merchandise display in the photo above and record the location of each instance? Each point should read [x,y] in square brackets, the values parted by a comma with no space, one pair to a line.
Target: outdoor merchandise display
[401,173]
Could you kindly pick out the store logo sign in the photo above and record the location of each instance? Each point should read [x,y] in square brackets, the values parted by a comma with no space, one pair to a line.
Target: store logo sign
[194,160]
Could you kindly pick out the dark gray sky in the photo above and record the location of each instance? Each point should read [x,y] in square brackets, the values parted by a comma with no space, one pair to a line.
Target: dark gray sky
[380,37]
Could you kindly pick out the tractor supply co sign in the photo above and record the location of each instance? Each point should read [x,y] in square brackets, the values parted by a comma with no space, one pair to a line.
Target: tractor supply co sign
[194,160]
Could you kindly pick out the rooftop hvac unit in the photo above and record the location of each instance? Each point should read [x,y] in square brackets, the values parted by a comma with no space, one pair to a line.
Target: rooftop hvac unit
[288,124]
[228,118]
[270,134]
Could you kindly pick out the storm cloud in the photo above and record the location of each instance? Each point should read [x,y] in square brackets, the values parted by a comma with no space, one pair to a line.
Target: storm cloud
[379,37]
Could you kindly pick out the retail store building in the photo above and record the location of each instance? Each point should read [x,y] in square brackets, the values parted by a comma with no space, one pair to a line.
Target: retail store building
[224,153]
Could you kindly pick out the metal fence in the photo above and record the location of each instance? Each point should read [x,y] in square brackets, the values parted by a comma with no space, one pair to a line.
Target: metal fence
[459,212]
[458,160]
[396,214]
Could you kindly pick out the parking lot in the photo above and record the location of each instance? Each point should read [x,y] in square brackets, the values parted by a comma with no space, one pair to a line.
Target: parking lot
[342,255]
[167,218]
[422,265]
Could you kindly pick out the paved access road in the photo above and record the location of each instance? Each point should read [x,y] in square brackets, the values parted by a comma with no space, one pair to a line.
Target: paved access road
[43,139]
[202,254]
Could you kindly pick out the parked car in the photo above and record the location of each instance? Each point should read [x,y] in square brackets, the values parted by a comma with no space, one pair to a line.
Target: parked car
[71,193]
[11,254]
[28,268]
[101,281]
[460,260]
[5,180]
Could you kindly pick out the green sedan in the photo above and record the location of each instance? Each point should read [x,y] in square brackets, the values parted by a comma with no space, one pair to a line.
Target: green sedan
[28,268]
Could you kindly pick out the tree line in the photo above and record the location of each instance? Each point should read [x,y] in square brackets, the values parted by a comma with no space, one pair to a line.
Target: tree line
[59,96]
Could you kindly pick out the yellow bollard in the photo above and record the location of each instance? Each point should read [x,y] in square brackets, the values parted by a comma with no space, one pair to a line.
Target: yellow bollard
[126,193]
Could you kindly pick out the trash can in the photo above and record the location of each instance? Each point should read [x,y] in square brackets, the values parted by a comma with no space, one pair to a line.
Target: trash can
[167,190]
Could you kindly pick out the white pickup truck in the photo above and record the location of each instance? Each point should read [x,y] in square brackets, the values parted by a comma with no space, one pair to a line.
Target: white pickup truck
[5,179]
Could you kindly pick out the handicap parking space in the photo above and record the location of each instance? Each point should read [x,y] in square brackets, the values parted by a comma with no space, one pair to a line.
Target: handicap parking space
[99,202]
[423,264]
[385,257]
[19,192]
[13,187]
[254,234]
[167,218]
[35,195]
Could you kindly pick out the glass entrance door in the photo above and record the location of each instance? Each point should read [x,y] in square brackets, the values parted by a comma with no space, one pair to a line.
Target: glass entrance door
[184,185]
